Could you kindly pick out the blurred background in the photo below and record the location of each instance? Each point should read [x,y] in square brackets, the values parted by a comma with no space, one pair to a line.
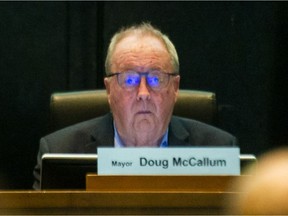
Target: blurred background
[236,49]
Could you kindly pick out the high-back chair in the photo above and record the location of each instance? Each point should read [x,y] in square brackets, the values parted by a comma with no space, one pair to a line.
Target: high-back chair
[72,107]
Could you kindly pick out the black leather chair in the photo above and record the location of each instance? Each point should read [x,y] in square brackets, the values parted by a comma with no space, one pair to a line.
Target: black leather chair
[72,107]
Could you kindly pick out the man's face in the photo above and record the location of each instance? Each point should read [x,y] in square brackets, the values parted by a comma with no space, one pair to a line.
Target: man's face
[142,115]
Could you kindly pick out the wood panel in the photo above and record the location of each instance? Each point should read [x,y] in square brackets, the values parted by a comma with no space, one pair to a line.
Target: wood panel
[160,183]
[83,202]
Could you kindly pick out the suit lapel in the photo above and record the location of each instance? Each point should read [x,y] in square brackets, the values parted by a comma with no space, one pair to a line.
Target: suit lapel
[103,136]
[178,135]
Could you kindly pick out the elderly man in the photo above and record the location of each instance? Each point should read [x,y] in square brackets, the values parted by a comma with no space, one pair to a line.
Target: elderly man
[142,83]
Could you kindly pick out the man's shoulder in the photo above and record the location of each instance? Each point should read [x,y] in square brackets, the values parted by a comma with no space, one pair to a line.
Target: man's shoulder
[187,122]
[80,134]
[200,133]
[88,125]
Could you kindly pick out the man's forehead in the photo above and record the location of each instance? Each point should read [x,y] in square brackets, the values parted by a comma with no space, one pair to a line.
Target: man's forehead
[141,61]
[135,41]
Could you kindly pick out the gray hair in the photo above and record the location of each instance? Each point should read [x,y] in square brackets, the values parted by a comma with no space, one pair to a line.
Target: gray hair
[142,29]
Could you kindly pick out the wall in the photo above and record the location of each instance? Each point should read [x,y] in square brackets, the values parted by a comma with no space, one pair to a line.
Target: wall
[236,49]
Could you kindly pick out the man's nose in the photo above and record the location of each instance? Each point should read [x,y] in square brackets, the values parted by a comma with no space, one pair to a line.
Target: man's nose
[143,91]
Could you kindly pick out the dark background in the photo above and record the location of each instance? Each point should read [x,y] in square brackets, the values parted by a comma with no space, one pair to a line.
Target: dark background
[236,49]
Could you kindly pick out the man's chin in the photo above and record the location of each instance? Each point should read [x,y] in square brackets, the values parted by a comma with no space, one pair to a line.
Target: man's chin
[146,125]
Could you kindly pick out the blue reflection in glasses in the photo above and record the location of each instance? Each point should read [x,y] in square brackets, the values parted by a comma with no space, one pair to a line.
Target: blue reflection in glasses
[132,79]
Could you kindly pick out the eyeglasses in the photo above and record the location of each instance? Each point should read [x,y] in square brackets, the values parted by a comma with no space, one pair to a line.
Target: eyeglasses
[156,80]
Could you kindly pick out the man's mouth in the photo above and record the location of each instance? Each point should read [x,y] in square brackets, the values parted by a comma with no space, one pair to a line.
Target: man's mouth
[144,112]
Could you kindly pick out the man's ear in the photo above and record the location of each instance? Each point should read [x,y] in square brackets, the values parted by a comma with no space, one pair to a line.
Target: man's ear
[176,85]
[107,86]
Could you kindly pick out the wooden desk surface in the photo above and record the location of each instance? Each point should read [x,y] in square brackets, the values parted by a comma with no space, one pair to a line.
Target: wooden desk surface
[89,202]
[128,195]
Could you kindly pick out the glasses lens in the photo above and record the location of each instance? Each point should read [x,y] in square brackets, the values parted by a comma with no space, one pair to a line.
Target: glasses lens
[129,79]
[157,80]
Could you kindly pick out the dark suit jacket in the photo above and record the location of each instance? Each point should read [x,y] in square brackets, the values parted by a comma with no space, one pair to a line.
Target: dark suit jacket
[85,137]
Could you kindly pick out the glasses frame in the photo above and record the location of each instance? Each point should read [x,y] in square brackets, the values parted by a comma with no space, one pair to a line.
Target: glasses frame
[142,74]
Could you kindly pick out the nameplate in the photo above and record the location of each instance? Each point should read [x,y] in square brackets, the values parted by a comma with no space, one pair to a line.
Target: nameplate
[169,161]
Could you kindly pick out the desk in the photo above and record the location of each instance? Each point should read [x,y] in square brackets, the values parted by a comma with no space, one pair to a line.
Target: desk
[128,195]
[89,202]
